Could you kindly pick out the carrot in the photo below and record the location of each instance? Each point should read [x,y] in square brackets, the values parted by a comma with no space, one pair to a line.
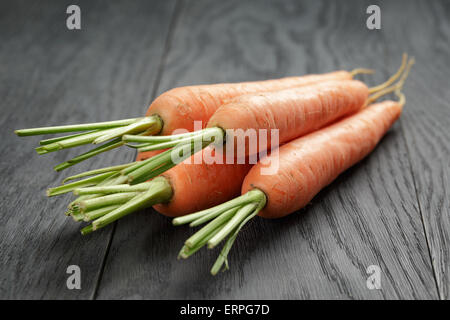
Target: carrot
[306,165]
[188,187]
[293,112]
[174,109]
[180,107]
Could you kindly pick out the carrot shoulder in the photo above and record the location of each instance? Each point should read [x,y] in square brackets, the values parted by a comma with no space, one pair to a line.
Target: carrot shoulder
[200,186]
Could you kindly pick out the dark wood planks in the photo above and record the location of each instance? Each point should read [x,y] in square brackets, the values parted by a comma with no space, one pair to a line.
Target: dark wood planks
[423,30]
[49,75]
[368,216]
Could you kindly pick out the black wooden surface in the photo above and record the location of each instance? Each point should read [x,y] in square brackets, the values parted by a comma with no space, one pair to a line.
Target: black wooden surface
[391,210]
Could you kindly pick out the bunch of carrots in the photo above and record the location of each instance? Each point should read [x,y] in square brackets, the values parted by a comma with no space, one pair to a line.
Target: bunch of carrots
[326,123]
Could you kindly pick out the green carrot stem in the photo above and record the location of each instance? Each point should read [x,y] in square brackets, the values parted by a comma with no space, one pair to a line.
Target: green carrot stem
[78,184]
[98,171]
[152,174]
[162,145]
[210,227]
[113,189]
[86,230]
[137,146]
[153,139]
[200,217]
[148,166]
[72,142]
[229,243]
[186,251]
[76,127]
[53,140]
[99,202]
[164,159]
[142,163]
[160,191]
[89,154]
[112,180]
[232,224]
[152,125]
[171,143]
[77,216]
[97,213]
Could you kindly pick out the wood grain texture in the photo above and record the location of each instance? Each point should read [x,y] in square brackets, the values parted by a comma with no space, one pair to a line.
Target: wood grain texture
[424,31]
[50,75]
[369,216]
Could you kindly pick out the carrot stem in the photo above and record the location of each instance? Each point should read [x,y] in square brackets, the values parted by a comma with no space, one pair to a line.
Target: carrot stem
[113,189]
[53,140]
[98,171]
[89,154]
[153,139]
[229,243]
[229,218]
[78,184]
[210,227]
[159,191]
[200,217]
[75,127]
[164,161]
[97,213]
[186,251]
[240,215]
[70,143]
[150,125]
[110,199]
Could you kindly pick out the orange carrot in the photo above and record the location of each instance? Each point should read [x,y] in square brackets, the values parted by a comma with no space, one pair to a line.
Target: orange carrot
[180,107]
[306,165]
[310,163]
[199,186]
[292,112]
[174,109]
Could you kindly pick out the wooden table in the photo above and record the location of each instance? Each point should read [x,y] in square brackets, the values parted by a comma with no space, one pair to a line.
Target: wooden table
[391,210]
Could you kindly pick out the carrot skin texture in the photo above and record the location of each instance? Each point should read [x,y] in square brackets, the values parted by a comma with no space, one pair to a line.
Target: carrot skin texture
[309,163]
[180,107]
[199,186]
[294,112]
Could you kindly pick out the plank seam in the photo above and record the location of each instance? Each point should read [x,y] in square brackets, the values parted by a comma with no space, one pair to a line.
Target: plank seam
[167,45]
[103,265]
[426,233]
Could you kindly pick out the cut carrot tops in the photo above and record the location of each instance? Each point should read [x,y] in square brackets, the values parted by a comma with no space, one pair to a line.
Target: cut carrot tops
[306,165]
[291,112]
[105,197]
[174,109]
